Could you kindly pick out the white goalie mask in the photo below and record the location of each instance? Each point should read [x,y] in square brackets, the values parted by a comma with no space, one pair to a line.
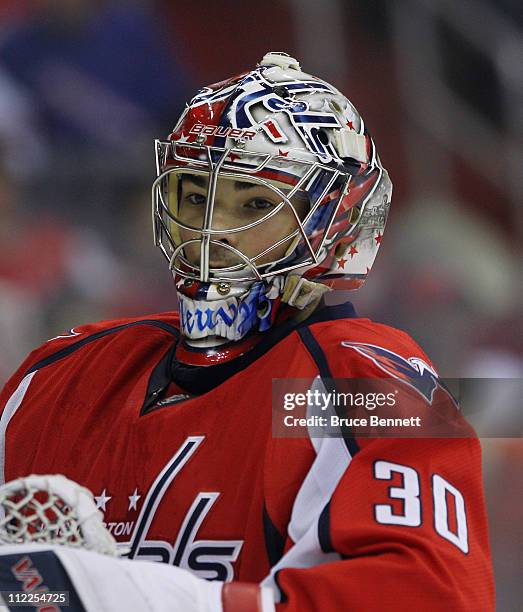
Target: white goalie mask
[269,191]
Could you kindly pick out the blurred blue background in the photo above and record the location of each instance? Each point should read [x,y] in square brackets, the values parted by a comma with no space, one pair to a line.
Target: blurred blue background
[86,85]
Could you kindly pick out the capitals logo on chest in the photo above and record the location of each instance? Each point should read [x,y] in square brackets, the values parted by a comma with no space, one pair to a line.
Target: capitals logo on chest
[210,559]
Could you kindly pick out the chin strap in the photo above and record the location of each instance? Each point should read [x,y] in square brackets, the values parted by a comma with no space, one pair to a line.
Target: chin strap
[211,322]
[301,293]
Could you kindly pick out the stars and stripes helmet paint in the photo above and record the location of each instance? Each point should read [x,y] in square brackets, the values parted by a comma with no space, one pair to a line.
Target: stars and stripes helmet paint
[298,136]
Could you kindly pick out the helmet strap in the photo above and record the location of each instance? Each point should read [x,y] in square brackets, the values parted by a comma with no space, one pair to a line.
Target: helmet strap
[301,293]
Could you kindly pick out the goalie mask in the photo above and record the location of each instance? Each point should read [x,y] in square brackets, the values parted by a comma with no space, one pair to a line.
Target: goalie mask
[269,192]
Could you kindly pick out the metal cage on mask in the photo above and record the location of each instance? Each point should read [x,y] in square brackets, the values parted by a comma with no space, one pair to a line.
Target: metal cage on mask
[323,185]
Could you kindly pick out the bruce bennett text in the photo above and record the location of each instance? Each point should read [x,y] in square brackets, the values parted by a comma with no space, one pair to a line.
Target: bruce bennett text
[336,421]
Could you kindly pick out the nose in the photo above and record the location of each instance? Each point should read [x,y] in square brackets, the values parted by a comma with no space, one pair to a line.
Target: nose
[221,222]
[221,256]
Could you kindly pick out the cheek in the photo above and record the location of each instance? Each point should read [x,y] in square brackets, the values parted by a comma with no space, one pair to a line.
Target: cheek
[187,234]
[192,215]
[278,227]
[270,232]
[184,234]
[192,250]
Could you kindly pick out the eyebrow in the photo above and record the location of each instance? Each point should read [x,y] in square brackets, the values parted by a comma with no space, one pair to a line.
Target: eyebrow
[201,181]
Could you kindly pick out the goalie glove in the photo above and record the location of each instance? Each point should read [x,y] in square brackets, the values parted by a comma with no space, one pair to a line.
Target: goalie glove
[97,582]
[54,510]
[54,539]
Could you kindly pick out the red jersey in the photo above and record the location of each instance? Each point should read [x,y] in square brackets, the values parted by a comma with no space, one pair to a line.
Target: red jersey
[189,473]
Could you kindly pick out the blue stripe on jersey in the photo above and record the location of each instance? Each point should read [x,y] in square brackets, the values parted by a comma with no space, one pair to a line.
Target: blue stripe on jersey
[274,541]
[316,352]
[324,530]
[68,350]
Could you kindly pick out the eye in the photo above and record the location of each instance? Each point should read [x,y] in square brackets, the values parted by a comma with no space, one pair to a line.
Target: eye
[195,199]
[259,204]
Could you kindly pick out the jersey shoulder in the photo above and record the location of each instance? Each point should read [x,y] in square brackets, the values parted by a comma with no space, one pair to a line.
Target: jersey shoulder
[362,347]
[167,321]
[125,331]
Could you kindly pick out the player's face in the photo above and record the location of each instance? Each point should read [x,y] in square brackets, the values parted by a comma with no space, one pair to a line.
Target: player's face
[236,204]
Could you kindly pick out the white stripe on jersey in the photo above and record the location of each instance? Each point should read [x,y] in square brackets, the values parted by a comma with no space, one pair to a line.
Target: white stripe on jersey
[332,460]
[9,411]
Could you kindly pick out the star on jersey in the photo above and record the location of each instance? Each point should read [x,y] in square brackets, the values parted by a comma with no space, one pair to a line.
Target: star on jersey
[102,499]
[133,500]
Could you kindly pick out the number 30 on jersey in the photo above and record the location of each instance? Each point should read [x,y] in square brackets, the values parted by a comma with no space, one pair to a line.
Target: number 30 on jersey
[408,493]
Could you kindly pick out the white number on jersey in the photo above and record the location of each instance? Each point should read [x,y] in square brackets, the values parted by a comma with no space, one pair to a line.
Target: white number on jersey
[409,494]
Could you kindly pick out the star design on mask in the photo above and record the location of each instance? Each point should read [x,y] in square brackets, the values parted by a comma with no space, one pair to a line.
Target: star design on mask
[342,262]
[283,153]
[378,238]
[133,500]
[183,138]
[102,499]
[350,125]
[353,250]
